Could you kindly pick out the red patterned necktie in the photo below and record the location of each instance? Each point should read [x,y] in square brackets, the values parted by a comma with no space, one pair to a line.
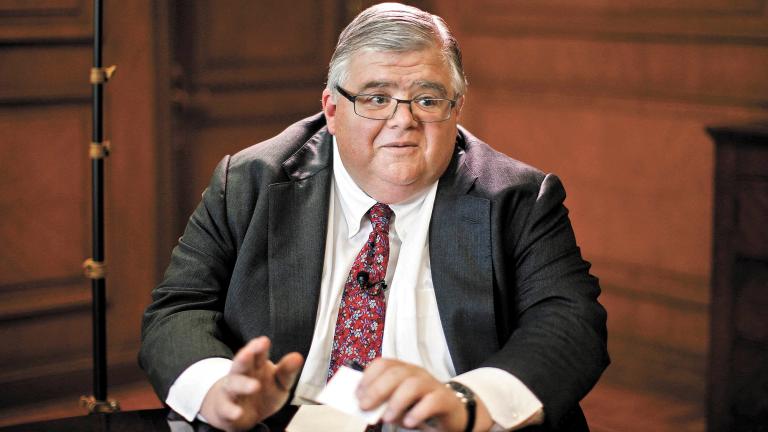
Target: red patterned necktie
[360,323]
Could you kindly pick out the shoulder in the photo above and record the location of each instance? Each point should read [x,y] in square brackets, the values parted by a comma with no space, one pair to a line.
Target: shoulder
[263,163]
[270,154]
[249,172]
[495,172]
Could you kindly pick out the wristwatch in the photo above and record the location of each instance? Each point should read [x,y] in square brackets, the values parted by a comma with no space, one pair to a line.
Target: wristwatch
[467,397]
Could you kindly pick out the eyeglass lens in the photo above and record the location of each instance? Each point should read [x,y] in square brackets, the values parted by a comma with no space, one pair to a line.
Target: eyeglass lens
[383,107]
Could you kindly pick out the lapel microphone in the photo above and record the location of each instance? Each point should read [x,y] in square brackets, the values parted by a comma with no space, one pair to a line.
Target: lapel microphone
[372,288]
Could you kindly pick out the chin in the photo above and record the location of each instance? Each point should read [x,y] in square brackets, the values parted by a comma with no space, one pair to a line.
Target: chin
[400,178]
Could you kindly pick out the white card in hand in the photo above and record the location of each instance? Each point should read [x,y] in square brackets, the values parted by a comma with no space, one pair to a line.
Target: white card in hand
[340,394]
[313,418]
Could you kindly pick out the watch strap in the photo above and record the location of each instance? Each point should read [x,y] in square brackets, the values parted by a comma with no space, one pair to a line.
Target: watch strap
[467,397]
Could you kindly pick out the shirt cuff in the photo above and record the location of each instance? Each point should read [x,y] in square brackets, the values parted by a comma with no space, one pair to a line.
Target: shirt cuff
[510,403]
[188,391]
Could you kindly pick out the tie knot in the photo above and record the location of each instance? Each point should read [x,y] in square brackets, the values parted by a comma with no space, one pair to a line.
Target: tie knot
[380,214]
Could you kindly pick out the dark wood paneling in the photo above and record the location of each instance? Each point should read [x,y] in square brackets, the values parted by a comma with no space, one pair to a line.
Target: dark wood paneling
[644,366]
[48,297]
[751,229]
[44,74]
[242,78]
[613,97]
[662,71]
[245,42]
[712,20]
[40,20]
[738,383]
[45,125]
[44,199]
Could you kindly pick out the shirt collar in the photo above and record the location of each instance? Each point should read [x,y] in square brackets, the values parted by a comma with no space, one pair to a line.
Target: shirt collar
[355,202]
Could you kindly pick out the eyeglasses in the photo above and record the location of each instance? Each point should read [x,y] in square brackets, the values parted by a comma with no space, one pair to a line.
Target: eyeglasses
[380,107]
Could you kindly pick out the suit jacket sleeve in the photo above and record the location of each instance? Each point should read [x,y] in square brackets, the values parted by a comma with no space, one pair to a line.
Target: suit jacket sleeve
[556,341]
[184,323]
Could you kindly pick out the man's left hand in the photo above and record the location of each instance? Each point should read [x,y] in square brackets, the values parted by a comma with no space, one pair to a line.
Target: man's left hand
[416,399]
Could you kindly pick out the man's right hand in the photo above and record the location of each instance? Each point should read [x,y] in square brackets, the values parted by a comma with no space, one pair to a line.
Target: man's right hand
[254,389]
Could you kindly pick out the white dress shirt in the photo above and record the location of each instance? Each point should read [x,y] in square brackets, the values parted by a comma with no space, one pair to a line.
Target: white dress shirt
[412,331]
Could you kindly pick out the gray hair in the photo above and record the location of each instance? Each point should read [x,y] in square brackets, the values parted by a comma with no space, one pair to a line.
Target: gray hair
[398,28]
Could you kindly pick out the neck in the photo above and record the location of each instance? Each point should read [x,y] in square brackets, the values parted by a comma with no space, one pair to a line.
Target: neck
[394,194]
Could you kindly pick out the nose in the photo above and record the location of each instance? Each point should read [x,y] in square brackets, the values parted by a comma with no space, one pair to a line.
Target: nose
[403,115]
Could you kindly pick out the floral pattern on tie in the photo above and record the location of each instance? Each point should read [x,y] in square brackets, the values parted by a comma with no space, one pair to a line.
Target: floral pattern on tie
[360,323]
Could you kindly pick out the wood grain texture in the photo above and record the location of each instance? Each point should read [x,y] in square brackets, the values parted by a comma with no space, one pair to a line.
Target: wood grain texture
[45,125]
[737,380]
[243,78]
[44,197]
[614,97]
[44,20]
[707,21]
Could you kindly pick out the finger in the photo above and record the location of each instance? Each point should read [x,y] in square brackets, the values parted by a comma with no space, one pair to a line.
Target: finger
[433,406]
[229,411]
[287,370]
[251,356]
[240,385]
[406,395]
[376,368]
[381,386]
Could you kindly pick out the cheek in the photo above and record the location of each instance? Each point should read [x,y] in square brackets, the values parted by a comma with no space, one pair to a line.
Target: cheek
[441,148]
[358,138]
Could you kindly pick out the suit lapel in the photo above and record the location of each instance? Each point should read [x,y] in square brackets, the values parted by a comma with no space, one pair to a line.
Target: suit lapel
[460,254]
[462,270]
[298,218]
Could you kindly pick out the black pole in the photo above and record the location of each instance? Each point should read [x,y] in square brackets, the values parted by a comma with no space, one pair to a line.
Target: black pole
[98,286]
[95,266]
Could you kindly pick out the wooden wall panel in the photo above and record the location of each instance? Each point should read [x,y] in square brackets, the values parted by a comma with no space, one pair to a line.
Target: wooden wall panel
[45,187]
[44,194]
[242,78]
[614,97]
[44,202]
[239,42]
[636,69]
[706,21]
[43,73]
[601,155]
[22,20]
[229,139]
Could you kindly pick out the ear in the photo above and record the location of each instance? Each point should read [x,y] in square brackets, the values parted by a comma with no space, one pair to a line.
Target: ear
[329,109]
[459,105]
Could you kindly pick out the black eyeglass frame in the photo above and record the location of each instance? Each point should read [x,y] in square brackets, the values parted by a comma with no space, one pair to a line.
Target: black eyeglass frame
[351,98]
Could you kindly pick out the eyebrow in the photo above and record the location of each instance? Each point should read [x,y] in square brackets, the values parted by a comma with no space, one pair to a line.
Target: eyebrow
[420,84]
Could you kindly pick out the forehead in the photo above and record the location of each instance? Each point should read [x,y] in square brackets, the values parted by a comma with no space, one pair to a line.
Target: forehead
[403,71]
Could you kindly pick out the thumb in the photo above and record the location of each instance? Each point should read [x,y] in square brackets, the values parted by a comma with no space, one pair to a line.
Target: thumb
[287,370]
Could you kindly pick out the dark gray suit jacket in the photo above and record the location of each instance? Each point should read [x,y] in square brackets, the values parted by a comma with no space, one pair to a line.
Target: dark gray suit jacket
[512,288]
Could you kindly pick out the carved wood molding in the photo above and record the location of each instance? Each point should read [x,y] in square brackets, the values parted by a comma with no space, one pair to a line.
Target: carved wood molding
[40,74]
[84,362]
[625,7]
[44,20]
[655,284]
[643,365]
[273,46]
[44,297]
[245,105]
[547,89]
[742,20]
[65,376]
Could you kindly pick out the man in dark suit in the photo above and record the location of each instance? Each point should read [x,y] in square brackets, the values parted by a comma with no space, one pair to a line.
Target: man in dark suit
[469,272]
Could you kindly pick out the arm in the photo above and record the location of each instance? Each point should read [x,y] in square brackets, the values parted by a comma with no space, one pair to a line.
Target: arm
[184,322]
[557,342]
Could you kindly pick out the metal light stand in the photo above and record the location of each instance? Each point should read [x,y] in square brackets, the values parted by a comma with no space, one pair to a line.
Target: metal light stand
[95,267]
